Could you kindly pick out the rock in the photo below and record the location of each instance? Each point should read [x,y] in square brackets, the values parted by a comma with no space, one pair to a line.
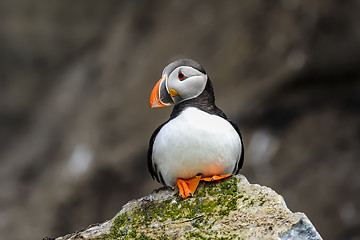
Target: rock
[231,209]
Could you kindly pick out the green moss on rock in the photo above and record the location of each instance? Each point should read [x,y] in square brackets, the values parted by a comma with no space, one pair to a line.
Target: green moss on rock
[214,199]
[229,209]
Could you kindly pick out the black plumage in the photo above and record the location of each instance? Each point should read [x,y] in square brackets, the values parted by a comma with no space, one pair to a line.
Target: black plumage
[204,102]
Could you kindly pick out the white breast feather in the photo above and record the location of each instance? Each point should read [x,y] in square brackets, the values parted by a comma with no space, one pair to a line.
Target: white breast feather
[195,142]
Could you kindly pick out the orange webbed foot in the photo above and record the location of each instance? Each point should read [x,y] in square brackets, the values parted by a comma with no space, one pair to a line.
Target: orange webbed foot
[187,187]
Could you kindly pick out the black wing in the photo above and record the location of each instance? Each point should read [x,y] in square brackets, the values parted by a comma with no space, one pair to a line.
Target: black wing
[155,174]
[241,159]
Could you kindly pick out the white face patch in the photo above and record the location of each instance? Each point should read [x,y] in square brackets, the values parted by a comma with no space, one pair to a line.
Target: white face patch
[187,82]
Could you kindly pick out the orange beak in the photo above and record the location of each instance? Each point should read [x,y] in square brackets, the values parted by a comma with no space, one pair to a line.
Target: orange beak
[159,95]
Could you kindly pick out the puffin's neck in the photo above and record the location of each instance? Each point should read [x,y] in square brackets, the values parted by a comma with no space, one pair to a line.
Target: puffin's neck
[205,102]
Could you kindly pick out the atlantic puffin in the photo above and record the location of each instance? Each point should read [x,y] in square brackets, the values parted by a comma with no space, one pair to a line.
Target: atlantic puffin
[198,142]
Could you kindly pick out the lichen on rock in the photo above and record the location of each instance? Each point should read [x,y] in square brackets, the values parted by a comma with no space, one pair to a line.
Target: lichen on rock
[230,209]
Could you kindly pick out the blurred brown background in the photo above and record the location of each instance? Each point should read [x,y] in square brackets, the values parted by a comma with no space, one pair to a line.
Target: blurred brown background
[75,80]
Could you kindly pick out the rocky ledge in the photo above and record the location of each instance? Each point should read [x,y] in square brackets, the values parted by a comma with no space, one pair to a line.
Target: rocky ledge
[231,209]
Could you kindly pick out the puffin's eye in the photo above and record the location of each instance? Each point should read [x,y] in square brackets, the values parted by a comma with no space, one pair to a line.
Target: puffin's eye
[181,76]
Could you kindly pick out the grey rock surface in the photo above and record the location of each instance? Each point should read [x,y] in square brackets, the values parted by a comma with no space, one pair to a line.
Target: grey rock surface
[231,209]
[301,230]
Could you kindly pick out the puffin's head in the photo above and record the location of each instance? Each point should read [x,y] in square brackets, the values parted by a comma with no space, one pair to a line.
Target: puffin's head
[181,80]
